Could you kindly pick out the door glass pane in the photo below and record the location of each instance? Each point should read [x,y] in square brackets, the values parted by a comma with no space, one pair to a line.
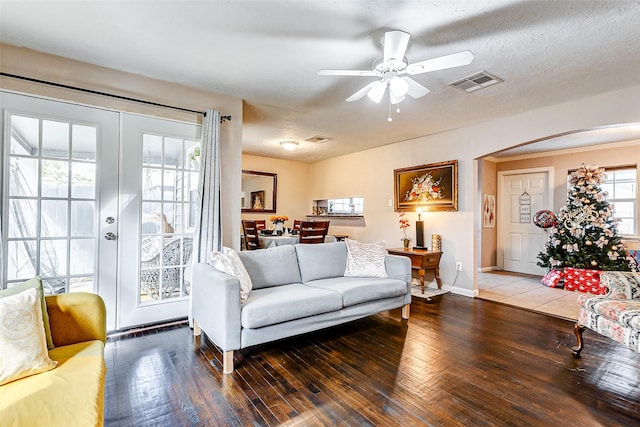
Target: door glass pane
[55,178]
[83,181]
[83,142]
[25,133]
[27,225]
[55,139]
[22,258]
[82,219]
[53,258]
[23,177]
[53,219]
[151,150]
[82,254]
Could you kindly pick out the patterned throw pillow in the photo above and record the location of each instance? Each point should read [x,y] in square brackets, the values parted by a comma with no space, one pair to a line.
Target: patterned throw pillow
[229,262]
[621,284]
[583,280]
[553,279]
[23,346]
[365,259]
[36,283]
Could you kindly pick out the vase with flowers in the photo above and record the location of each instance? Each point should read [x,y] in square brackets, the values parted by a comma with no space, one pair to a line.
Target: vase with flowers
[404,224]
[278,222]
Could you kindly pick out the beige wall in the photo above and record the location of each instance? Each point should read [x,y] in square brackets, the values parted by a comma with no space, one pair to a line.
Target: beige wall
[488,236]
[294,200]
[29,63]
[370,173]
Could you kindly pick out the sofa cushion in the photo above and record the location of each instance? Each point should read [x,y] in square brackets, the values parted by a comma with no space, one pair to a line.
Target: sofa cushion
[356,290]
[72,394]
[624,312]
[621,284]
[365,259]
[271,267]
[321,261]
[23,345]
[269,306]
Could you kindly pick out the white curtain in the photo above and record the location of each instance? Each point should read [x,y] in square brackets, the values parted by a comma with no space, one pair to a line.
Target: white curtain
[208,233]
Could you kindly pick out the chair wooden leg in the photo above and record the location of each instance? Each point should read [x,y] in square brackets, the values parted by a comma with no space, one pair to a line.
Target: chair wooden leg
[196,329]
[577,330]
[406,310]
[227,362]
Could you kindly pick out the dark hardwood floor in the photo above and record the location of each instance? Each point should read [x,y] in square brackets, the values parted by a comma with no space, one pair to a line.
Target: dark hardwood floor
[457,362]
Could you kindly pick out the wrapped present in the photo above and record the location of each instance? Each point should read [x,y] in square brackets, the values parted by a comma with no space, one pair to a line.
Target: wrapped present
[583,280]
[553,279]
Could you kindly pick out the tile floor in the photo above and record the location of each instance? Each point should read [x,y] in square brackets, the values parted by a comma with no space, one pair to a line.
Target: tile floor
[526,291]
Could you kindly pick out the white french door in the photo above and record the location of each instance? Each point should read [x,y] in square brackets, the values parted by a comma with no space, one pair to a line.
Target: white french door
[60,196]
[99,201]
[160,163]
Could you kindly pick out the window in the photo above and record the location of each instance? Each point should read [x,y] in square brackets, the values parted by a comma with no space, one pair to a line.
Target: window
[352,205]
[622,189]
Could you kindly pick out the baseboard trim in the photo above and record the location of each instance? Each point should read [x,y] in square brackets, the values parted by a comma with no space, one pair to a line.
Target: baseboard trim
[486,269]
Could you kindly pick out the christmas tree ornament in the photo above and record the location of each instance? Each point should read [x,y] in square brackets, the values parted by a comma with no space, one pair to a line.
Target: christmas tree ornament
[544,219]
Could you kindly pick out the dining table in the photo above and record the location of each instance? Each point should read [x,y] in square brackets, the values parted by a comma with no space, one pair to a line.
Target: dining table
[286,239]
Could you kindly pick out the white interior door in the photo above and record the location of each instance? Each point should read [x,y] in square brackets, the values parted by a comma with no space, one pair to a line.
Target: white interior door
[521,196]
[59,196]
[160,163]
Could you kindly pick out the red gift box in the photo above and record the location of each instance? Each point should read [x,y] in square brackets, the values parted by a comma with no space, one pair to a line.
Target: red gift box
[582,280]
[553,278]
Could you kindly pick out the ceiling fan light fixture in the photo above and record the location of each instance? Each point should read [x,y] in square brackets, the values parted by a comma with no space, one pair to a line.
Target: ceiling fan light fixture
[398,87]
[289,145]
[377,92]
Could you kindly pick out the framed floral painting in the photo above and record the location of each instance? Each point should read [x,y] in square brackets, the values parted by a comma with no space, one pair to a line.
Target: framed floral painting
[432,187]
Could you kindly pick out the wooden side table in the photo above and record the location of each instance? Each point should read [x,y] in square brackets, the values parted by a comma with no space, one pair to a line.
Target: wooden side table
[422,260]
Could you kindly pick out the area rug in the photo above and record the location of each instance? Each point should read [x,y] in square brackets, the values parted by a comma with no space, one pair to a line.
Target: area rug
[428,292]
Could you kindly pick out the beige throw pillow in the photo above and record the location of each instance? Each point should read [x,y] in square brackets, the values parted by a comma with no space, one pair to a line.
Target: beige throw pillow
[23,346]
[365,259]
[229,262]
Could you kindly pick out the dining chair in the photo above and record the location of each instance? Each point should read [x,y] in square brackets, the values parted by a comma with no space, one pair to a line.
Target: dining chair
[296,224]
[251,240]
[261,224]
[313,231]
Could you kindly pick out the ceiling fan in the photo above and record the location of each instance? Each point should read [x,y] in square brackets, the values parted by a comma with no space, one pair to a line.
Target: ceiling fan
[391,67]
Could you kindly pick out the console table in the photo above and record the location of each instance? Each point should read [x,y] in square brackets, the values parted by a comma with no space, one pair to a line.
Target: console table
[422,260]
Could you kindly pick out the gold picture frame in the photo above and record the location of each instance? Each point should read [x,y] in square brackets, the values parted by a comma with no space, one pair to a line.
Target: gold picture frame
[432,187]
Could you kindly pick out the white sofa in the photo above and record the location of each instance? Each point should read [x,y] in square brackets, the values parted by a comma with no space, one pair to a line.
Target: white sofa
[296,289]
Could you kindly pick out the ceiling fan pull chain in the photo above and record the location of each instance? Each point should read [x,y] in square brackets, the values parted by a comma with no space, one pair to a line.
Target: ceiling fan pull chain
[389,118]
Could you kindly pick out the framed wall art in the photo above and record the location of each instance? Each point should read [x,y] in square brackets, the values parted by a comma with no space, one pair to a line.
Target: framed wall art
[257,200]
[432,187]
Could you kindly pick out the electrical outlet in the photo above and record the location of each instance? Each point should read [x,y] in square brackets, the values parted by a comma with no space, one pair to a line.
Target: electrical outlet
[458,266]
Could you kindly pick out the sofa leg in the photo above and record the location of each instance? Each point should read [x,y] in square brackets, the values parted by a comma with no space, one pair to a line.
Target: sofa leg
[405,311]
[578,329]
[196,329]
[227,362]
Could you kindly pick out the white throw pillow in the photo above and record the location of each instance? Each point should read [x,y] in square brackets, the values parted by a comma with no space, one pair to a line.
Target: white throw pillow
[229,262]
[23,345]
[365,259]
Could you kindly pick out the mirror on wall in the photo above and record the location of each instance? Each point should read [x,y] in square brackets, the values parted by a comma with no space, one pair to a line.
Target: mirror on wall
[259,191]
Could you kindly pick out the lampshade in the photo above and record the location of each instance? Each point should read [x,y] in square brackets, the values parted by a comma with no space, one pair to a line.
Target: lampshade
[398,87]
[289,145]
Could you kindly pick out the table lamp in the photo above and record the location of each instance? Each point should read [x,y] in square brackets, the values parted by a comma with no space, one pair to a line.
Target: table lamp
[419,231]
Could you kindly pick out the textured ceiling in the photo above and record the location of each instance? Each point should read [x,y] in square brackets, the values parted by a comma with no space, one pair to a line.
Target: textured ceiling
[268,53]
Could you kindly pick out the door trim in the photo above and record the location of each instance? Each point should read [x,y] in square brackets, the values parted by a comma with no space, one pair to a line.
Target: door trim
[502,207]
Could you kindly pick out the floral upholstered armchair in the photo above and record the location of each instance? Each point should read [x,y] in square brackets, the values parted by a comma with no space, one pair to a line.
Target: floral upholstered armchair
[616,314]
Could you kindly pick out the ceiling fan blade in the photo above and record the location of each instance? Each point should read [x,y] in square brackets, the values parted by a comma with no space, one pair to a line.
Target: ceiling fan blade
[362,92]
[356,73]
[395,45]
[440,63]
[416,90]
[377,92]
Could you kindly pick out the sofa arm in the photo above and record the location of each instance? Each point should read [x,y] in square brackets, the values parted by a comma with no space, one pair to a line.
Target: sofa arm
[398,267]
[621,285]
[76,317]
[216,306]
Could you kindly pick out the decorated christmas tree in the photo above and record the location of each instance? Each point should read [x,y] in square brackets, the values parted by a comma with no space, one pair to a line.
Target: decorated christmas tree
[585,233]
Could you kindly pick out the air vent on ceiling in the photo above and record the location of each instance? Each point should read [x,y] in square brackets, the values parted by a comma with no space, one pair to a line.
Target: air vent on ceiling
[318,139]
[476,82]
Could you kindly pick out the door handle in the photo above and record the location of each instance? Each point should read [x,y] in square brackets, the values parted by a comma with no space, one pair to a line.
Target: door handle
[110,236]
